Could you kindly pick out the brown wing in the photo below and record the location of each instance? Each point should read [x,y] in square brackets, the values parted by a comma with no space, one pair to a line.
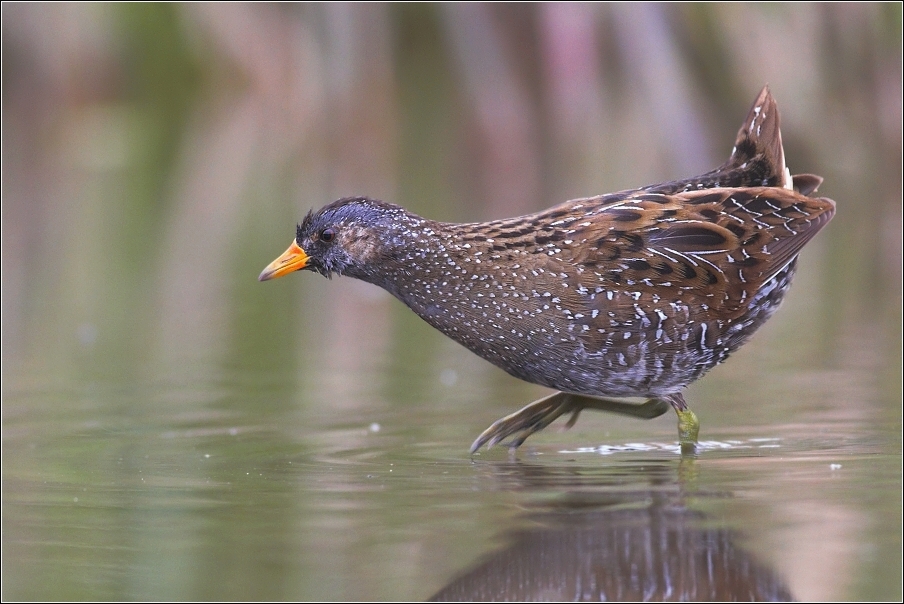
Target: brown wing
[717,244]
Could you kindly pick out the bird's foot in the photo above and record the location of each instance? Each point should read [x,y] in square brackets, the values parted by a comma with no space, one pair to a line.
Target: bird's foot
[539,414]
[524,422]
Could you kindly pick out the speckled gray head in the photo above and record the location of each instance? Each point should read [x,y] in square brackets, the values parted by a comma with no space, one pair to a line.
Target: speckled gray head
[347,237]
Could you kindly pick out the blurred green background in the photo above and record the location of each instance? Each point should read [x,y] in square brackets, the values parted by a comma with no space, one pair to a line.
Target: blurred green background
[157,156]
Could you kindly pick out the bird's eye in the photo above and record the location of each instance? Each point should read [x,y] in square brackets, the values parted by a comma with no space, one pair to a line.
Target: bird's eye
[327,235]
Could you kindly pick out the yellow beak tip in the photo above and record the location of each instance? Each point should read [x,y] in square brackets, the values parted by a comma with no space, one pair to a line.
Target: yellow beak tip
[293,259]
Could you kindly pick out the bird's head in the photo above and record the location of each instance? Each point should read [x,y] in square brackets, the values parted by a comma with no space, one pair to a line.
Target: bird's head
[347,237]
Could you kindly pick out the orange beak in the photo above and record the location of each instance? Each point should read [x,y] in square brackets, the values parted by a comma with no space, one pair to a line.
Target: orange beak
[293,259]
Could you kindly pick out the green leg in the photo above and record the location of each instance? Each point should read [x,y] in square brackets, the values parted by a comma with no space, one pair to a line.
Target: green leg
[688,424]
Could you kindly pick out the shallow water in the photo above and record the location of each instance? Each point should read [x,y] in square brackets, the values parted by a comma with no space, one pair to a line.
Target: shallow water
[232,489]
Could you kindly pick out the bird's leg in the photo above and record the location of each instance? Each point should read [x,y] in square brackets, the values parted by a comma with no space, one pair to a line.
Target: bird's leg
[539,414]
[688,424]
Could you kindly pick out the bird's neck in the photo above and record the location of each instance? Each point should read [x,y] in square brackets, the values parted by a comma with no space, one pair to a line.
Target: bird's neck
[446,274]
[424,264]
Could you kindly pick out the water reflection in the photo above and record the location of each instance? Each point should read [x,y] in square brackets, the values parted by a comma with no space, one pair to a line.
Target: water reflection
[623,537]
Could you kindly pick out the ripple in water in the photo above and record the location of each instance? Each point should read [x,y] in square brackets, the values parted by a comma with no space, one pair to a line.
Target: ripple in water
[703,445]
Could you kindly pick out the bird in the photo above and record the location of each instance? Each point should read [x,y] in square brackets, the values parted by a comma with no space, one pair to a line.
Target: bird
[631,294]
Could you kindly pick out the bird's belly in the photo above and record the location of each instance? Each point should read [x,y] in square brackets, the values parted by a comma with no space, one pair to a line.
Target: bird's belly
[643,368]
[658,353]
[621,364]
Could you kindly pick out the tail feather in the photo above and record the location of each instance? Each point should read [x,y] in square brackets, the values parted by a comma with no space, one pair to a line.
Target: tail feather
[806,184]
[758,147]
[757,159]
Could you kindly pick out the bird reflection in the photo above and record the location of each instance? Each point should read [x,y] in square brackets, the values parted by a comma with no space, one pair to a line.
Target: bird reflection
[601,543]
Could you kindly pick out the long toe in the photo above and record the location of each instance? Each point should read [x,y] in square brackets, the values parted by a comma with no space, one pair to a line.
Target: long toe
[524,422]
